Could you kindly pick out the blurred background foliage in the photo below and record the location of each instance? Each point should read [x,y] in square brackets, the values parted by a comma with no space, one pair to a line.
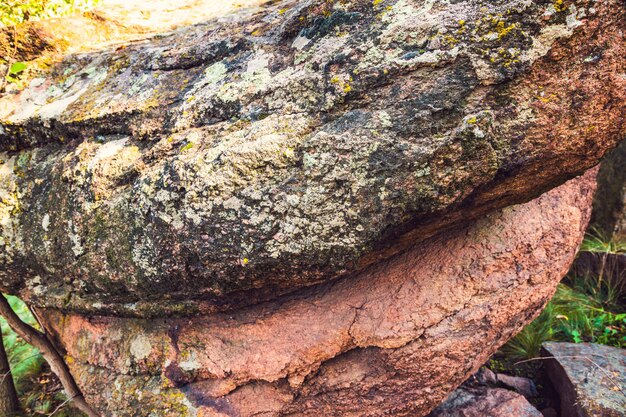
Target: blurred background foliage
[13,12]
[18,41]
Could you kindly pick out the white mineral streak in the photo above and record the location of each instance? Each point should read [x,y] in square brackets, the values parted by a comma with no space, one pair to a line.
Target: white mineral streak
[141,347]
[107,150]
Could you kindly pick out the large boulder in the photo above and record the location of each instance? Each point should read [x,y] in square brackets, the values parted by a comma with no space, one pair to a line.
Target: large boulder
[392,340]
[306,208]
[281,146]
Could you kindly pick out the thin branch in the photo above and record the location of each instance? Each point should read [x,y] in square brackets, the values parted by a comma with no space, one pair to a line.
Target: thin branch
[50,354]
[60,407]
[37,319]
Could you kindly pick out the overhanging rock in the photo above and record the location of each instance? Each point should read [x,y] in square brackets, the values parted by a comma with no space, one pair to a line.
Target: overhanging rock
[283,146]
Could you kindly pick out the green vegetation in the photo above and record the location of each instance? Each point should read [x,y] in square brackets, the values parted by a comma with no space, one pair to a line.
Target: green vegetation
[14,72]
[38,389]
[587,307]
[25,360]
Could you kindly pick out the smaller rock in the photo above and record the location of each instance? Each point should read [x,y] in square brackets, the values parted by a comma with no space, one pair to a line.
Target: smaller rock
[589,378]
[486,376]
[524,386]
[482,401]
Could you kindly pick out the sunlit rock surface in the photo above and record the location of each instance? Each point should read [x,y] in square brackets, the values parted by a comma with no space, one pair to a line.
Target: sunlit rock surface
[588,378]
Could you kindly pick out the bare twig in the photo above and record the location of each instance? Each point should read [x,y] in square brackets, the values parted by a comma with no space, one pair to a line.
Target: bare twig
[50,354]
[6,374]
[60,407]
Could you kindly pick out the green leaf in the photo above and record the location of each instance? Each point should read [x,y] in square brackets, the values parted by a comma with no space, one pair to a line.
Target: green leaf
[14,80]
[187,147]
[17,67]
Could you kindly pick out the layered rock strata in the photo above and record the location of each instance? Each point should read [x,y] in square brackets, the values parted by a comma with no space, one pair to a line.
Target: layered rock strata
[393,340]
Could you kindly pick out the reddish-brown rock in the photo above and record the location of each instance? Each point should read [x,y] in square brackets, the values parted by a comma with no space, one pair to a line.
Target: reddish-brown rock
[393,340]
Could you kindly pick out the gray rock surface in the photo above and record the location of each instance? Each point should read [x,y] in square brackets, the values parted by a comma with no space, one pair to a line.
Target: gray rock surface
[280,146]
[590,378]
[524,386]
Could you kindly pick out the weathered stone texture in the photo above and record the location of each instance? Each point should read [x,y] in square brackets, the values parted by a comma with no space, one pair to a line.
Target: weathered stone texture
[393,340]
[299,209]
[282,146]
[589,378]
[483,402]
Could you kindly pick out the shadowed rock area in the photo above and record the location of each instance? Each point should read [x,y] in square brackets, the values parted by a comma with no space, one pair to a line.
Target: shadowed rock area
[608,218]
[492,402]
[306,208]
